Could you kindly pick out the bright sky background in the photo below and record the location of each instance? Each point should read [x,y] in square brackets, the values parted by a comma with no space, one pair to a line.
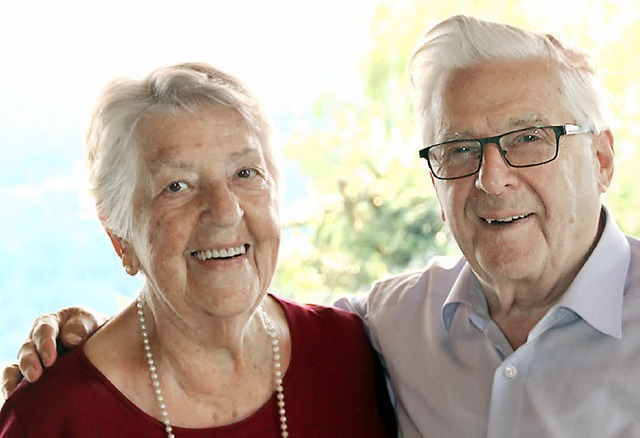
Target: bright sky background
[62,53]
[57,56]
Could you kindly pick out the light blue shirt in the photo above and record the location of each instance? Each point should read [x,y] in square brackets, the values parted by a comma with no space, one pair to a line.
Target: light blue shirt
[455,375]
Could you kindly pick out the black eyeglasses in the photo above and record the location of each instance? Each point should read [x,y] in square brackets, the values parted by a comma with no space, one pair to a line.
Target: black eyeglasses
[526,147]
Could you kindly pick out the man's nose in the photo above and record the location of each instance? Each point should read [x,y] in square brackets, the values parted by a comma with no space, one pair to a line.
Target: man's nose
[495,173]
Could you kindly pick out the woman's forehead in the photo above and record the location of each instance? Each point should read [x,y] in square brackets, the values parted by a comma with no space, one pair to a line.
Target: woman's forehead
[165,135]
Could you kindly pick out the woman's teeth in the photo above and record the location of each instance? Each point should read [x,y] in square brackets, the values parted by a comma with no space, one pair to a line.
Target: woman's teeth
[219,253]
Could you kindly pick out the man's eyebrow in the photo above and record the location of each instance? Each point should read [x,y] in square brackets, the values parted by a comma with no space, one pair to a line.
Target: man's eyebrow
[513,123]
[527,121]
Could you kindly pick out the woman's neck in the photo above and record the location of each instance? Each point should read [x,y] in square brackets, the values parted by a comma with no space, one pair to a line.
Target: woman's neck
[210,374]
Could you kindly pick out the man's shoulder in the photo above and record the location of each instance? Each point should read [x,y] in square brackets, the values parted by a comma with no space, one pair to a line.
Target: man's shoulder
[634,244]
[405,300]
[633,275]
[408,289]
[437,277]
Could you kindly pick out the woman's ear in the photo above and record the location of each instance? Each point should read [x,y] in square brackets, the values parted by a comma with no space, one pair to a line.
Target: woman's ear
[123,248]
[116,242]
[125,252]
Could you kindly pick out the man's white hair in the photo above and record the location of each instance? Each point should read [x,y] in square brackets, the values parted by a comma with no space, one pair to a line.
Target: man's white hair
[462,41]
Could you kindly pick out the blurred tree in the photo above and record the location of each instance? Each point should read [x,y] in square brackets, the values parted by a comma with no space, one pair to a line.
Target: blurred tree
[370,210]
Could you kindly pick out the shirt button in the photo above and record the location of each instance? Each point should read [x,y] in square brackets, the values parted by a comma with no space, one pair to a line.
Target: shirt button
[510,371]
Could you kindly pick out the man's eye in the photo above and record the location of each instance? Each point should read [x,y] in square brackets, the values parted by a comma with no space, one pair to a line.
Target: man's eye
[527,138]
[463,150]
[176,186]
[534,135]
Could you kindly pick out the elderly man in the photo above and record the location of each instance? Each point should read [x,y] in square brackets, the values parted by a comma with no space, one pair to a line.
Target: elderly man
[535,331]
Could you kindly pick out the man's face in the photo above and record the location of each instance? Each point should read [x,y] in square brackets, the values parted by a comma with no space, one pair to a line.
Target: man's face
[521,226]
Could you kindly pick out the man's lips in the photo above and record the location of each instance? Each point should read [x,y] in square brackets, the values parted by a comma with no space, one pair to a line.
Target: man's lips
[505,220]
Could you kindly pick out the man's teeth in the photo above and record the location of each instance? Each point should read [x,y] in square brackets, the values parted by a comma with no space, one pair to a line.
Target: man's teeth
[219,253]
[505,220]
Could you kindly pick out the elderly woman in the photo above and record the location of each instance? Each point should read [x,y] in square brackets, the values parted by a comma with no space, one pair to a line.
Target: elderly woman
[186,186]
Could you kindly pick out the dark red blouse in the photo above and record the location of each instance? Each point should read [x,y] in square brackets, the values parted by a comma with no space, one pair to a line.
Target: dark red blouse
[333,388]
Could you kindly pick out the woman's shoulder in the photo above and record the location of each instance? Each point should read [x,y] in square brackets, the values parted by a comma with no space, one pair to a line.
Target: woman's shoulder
[317,326]
[317,313]
[67,370]
[55,392]
[72,398]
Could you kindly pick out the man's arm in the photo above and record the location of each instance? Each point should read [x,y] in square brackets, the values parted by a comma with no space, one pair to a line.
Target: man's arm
[354,304]
[68,326]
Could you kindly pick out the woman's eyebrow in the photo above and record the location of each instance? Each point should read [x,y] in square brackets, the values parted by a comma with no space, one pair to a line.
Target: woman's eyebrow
[246,152]
[160,165]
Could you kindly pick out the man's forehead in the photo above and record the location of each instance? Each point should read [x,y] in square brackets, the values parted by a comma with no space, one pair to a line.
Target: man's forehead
[447,131]
[498,96]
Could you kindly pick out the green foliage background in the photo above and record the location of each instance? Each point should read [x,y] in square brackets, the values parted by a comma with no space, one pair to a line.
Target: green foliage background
[370,209]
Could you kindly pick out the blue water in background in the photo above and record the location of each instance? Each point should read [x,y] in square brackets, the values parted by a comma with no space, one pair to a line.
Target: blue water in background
[53,251]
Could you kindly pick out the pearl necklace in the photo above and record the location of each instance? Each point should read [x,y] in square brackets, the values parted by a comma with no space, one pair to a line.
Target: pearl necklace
[270,329]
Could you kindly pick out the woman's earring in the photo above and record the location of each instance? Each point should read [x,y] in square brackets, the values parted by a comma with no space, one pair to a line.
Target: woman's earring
[130,268]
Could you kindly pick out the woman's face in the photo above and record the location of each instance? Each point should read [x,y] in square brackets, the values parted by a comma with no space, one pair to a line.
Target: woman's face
[209,204]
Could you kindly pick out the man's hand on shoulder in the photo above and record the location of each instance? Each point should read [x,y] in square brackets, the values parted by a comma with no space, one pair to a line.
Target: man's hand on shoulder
[51,332]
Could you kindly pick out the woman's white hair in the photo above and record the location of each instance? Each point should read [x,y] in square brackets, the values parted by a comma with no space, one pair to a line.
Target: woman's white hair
[460,41]
[113,143]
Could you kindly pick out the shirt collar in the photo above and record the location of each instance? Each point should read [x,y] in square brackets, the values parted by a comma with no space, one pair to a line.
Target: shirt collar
[465,290]
[595,294]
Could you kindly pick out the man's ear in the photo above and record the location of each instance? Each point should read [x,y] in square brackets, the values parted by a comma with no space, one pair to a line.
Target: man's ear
[603,145]
[433,182]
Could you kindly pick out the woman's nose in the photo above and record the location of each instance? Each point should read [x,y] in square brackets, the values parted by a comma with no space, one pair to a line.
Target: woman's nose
[223,206]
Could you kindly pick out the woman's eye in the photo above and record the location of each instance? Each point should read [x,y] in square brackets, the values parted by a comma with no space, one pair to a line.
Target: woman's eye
[247,173]
[176,186]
